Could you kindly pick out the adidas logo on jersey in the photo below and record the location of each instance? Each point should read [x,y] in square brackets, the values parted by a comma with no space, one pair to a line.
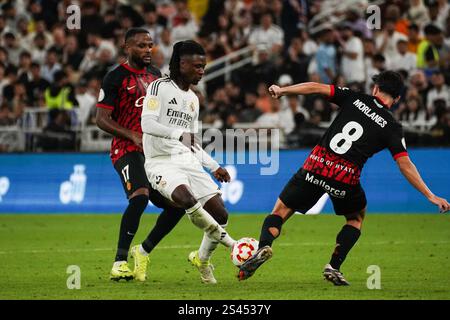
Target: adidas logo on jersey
[173,101]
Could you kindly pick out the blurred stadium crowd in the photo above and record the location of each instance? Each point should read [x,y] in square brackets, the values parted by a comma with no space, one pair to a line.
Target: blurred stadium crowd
[46,66]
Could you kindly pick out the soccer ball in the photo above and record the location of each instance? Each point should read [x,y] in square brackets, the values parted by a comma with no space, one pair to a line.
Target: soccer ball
[243,249]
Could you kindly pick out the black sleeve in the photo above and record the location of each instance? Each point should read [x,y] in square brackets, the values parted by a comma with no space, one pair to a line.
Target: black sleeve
[338,95]
[396,143]
[110,88]
[429,54]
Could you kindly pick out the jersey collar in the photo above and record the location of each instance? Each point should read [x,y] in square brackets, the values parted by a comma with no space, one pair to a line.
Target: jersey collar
[383,105]
[127,66]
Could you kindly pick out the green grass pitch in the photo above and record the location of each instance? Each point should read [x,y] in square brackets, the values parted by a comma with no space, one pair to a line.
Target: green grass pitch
[412,252]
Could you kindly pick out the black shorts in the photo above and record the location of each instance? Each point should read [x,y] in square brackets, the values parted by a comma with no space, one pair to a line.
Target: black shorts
[131,170]
[304,189]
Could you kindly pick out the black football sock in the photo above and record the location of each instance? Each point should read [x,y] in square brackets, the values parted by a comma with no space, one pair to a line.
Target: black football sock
[272,221]
[167,220]
[129,225]
[345,241]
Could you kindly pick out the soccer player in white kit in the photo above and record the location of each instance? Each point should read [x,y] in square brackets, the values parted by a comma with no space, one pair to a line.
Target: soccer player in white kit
[174,163]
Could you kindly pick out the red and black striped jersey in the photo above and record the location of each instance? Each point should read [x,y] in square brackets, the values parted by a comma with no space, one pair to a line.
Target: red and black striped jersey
[363,127]
[123,91]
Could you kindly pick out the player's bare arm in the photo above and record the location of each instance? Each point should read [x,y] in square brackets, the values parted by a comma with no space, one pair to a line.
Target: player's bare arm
[409,170]
[301,88]
[106,123]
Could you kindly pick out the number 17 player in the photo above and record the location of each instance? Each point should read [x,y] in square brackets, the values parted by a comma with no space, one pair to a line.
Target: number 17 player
[363,127]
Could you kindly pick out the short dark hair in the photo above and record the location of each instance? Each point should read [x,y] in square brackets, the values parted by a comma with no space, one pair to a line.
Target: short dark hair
[183,48]
[431,29]
[134,31]
[389,82]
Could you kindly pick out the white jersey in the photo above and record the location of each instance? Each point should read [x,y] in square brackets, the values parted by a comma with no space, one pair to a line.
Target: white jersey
[172,107]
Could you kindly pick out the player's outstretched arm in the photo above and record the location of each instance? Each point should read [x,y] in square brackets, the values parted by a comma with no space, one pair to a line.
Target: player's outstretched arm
[106,123]
[301,88]
[409,170]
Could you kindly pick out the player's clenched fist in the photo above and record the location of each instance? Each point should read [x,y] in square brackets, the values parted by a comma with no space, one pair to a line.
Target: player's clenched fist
[222,175]
[275,91]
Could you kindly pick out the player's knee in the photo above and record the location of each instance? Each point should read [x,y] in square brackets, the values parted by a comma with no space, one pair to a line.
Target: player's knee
[139,202]
[182,196]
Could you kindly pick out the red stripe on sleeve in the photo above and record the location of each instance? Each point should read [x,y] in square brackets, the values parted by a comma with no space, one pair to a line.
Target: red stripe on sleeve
[104,106]
[401,154]
[331,91]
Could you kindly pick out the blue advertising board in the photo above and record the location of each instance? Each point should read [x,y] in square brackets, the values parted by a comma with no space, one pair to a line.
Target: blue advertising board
[88,183]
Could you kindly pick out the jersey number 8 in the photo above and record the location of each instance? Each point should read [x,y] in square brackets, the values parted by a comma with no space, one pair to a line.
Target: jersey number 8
[342,142]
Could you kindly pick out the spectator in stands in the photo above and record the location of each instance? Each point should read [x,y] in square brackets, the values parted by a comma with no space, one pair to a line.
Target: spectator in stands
[413,113]
[60,94]
[39,49]
[427,52]
[19,100]
[433,13]
[57,135]
[296,61]
[352,62]
[267,35]
[23,33]
[7,116]
[98,49]
[59,40]
[11,45]
[72,55]
[417,13]
[438,90]
[271,118]
[24,72]
[403,59]
[441,130]
[51,66]
[183,24]
[414,38]
[326,57]
[36,86]
[419,84]
[263,101]
[3,27]
[165,45]
[86,101]
[250,112]
[151,22]
[358,24]
[265,69]
[386,40]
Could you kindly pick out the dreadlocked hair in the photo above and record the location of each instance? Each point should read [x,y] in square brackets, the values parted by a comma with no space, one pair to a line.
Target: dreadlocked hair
[183,48]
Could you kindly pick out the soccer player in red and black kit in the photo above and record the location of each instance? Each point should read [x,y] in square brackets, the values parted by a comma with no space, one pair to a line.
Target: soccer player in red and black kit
[363,127]
[119,111]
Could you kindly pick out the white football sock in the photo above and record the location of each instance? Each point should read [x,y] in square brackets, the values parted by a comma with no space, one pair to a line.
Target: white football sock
[207,246]
[202,219]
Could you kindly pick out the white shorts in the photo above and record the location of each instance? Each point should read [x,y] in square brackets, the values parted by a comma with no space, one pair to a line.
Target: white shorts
[167,173]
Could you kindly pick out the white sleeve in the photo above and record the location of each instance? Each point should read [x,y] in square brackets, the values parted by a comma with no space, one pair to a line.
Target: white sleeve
[153,101]
[205,159]
[151,126]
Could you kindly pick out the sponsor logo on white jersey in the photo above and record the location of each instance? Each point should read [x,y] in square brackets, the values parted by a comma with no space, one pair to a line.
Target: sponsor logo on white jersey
[74,189]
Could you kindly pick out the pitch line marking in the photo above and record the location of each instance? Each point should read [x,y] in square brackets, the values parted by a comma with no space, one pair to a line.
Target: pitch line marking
[303,244]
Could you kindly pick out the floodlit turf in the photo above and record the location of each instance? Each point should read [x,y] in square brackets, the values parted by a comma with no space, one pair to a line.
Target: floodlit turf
[412,252]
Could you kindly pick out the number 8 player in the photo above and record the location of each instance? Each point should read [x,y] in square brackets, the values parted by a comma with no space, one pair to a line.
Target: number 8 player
[363,127]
